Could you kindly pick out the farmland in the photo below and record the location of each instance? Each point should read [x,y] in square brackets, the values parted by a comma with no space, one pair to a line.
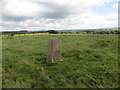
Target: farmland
[89,61]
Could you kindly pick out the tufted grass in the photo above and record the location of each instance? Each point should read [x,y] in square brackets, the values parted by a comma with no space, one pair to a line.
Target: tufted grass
[89,61]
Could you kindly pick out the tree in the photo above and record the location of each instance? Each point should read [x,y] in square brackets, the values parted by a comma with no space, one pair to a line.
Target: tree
[52,32]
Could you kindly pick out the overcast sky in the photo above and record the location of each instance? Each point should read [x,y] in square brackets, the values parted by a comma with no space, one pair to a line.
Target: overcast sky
[58,14]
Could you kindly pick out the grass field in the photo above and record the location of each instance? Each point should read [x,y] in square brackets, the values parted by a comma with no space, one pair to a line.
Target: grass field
[89,61]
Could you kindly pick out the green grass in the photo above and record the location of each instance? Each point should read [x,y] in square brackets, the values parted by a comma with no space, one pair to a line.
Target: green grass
[89,61]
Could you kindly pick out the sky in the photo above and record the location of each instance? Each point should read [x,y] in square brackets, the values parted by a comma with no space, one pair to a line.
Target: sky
[58,14]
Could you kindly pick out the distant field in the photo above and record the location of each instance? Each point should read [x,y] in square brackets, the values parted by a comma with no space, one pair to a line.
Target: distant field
[89,61]
[34,34]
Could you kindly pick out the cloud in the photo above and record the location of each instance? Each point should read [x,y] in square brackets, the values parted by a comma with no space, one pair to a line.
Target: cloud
[22,8]
[53,9]
[54,14]
[91,20]
[115,5]
[85,21]
[56,10]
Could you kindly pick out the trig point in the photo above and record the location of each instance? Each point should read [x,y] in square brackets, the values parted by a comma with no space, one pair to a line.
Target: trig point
[54,53]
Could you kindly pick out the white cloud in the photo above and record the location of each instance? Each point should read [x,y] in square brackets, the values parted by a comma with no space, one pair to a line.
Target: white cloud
[115,5]
[55,14]
[90,21]
[85,21]
[23,8]
[27,8]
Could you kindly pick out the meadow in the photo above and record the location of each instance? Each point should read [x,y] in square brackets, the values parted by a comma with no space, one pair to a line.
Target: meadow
[89,61]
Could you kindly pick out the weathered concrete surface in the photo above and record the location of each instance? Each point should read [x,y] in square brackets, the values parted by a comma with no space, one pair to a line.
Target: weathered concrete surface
[54,52]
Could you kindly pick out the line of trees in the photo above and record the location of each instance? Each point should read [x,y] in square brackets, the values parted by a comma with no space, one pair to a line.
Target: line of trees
[94,32]
[28,32]
[103,32]
[73,32]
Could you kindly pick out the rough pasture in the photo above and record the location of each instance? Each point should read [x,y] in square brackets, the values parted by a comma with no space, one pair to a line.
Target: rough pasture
[90,61]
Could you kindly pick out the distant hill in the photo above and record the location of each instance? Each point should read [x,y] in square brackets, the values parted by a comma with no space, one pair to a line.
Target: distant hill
[62,30]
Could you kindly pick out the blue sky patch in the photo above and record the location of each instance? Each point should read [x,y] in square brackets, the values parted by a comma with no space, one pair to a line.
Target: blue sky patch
[106,9]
